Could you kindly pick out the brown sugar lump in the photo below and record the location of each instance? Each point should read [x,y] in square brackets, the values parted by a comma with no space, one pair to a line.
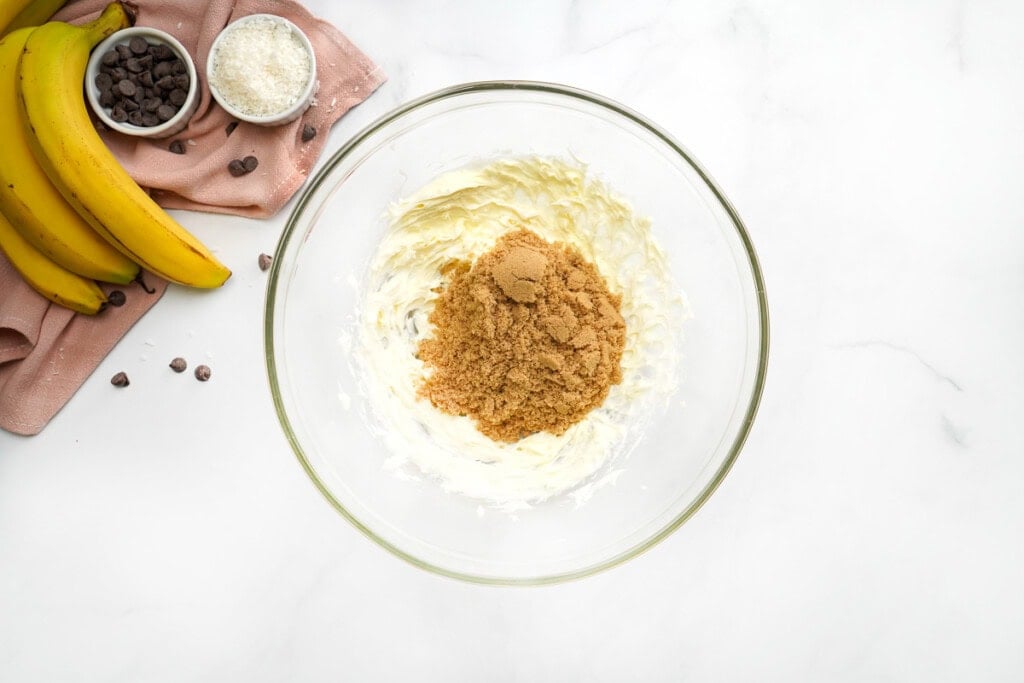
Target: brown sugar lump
[526,339]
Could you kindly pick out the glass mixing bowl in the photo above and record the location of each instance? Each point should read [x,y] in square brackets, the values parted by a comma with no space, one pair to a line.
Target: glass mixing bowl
[314,294]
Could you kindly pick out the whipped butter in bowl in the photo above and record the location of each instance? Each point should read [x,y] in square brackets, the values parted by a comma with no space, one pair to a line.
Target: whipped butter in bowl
[479,338]
[262,69]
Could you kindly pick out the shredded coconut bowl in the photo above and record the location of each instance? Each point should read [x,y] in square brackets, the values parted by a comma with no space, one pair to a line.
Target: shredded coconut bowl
[352,286]
[262,69]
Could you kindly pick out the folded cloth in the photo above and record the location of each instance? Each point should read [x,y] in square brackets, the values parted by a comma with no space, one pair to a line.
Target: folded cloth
[199,179]
[47,351]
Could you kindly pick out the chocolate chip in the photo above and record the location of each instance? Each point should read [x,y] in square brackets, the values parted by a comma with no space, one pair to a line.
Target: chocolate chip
[125,87]
[308,133]
[264,261]
[230,128]
[106,98]
[104,81]
[123,51]
[181,81]
[239,167]
[130,105]
[135,118]
[120,380]
[151,104]
[162,69]
[116,298]
[118,74]
[146,63]
[138,45]
[165,83]
[118,114]
[134,65]
[109,58]
[178,147]
[178,67]
[162,53]
[146,79]
[149,120]
[166,112]
[178,364]
[177,97]
[202,373]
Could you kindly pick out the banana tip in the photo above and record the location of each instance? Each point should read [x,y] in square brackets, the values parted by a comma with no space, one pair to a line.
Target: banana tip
[131,10]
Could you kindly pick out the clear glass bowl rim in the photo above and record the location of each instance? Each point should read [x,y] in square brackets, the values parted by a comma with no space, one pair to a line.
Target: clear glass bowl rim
[592,98]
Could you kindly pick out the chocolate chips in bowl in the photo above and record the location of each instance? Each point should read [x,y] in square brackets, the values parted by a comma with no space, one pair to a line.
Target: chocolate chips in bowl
[142,82]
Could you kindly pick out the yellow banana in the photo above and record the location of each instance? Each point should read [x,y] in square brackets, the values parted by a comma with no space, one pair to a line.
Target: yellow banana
[46,277]
[15,14]
[73,155]
[30,201]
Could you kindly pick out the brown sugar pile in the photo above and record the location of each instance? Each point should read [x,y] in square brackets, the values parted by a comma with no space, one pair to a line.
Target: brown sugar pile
[527,339]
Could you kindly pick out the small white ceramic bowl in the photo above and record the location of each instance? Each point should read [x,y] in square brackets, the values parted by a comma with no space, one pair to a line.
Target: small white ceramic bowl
[292,111]
[154,37]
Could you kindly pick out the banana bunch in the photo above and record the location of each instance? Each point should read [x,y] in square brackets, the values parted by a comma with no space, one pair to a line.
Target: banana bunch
[70,215]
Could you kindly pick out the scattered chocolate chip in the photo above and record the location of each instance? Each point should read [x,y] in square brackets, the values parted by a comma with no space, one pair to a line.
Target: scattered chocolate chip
[138,45]
[308,133]
[230,128]
[250,163]
[202,373]
[236,168]
[178,364]
[178,147]
[264,261]
[116,298]
[120,380]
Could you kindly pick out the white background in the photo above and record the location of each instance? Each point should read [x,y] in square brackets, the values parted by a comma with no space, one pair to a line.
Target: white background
[873,527]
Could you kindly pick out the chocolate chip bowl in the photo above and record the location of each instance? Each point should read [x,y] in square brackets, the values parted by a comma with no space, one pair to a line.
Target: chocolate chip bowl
[514,333]
[141,81]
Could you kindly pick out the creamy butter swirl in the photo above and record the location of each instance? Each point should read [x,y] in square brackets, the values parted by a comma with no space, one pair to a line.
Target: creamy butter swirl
[460,215]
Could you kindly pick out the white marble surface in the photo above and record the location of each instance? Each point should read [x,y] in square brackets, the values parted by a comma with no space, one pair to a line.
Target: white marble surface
[871,530]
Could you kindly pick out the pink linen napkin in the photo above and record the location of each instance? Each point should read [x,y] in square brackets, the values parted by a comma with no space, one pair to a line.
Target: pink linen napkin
[46,351]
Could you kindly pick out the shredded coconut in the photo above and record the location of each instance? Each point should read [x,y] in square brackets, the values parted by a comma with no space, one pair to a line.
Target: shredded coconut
[260,67]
